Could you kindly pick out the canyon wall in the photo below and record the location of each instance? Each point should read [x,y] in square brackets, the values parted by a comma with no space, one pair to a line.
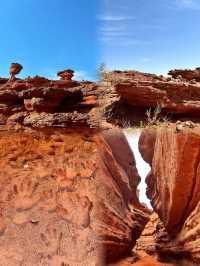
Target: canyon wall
[173,188]
[67,196]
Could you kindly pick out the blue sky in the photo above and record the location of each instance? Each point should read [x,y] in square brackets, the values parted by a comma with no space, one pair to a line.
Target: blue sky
[150,35]
[49,35]
[143,168]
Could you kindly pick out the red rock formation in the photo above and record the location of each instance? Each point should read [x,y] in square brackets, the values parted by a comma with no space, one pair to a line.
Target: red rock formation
[174,181]
[75,189]
[148,90]
[182,249]
[41,102]
[66,74]
[147,243]
[187,74]
[67,196]
[15,69]
[185,244]
[173,187]
[146,144]
[126,221]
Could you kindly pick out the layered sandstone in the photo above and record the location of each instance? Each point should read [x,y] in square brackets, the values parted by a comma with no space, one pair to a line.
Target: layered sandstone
[174,180]
[173,188]
[147,242]
[186,242]
[177,95]
[39,102]
[187,74]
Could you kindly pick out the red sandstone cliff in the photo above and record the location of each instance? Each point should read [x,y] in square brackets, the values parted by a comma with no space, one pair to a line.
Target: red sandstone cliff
[173,187]
[138,92]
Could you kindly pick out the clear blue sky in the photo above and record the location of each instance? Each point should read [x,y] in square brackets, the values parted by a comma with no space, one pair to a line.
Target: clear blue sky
[49,35]
[150,35]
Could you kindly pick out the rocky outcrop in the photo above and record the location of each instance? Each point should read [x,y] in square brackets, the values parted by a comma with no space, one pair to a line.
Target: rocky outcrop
[15,69]
[182,249]
[39,102]
[122,98]
[66,74]
[186,74]
[176,95]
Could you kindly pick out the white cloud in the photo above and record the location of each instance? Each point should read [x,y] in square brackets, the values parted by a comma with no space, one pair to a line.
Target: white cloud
[112,28]
[189,4]
[81,75]
[146,59]
[114,18]
[116,30]
[120,40]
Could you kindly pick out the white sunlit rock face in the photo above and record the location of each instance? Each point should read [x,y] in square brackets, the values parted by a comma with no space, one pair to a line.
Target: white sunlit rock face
[133,136]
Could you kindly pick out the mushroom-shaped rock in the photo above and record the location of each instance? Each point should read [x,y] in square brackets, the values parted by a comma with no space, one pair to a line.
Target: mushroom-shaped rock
[15,69]
[66,74]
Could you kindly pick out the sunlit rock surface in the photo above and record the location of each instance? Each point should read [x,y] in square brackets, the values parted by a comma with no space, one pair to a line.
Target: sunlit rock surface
[67,196]
[39,102]
[143,91]
[173,187]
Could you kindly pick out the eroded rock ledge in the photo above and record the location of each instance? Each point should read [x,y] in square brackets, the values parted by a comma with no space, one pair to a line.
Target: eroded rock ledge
[39,102]
[177,95]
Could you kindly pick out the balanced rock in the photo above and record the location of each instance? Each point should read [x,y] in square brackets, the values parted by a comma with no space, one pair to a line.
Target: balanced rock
[15,69]
[66,74]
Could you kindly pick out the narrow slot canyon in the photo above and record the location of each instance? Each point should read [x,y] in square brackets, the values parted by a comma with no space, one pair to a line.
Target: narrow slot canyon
[171,236]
